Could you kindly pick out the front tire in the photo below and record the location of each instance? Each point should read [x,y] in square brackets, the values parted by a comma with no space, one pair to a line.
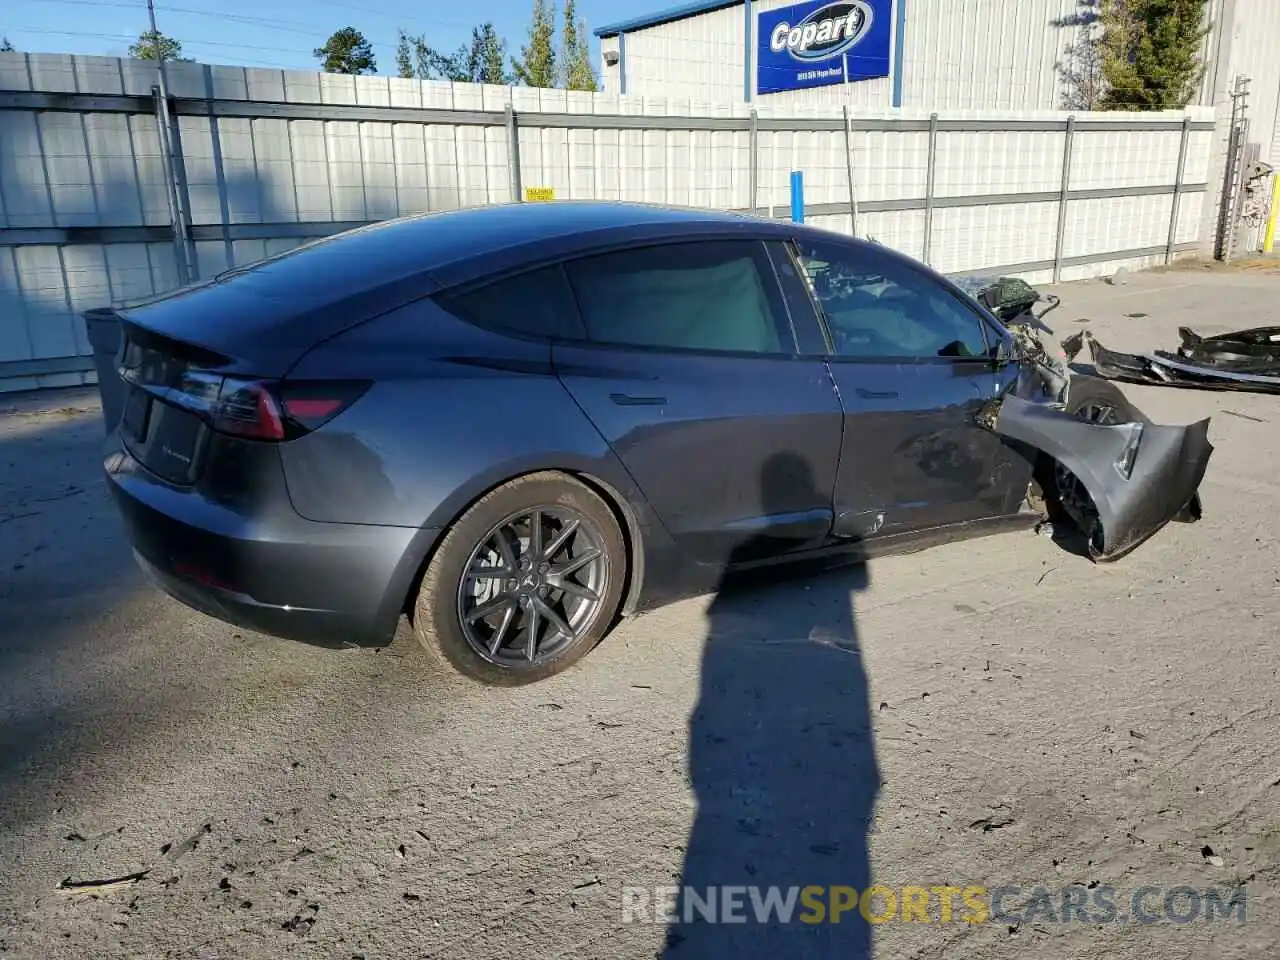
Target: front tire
[525,583]
[1056,490]
[1100,401]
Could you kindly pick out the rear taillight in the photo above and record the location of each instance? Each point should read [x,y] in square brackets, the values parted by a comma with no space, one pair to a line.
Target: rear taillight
[275,411]
[310,404]
[247,408]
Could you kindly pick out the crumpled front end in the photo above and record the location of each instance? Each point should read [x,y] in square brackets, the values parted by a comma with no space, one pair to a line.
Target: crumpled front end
[1140,476]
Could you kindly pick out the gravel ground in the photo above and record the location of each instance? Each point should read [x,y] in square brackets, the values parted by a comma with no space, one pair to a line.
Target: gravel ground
[998,713]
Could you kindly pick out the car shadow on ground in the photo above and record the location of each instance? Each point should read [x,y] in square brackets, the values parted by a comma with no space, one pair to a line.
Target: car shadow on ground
[59,531]
[65,571]
[783,765]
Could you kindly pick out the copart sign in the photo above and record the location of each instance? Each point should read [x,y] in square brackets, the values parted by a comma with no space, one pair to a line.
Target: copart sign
[819,43]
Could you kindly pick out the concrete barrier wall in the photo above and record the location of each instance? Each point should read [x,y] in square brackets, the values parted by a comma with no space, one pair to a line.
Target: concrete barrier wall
[266,159]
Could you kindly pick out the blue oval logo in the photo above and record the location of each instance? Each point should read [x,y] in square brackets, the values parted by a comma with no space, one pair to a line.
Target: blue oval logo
[827,32]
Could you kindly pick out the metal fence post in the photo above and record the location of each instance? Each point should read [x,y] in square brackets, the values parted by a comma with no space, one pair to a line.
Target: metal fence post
[848,165]
[1177,189]
[753,171]
[929,185]
[1226,228]
[174,185]
[219,171]
[1062,199]
[171,147]
[513,154]
[1234,173]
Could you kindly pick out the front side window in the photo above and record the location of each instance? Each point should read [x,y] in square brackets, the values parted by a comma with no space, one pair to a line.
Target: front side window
[878,308]
[711,295]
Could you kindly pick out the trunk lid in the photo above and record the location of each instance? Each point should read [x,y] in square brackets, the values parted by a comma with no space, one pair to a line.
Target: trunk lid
[182,351]
[172,392]
[172,388]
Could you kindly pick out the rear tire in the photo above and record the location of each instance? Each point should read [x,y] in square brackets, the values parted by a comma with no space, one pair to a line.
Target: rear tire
[525,583]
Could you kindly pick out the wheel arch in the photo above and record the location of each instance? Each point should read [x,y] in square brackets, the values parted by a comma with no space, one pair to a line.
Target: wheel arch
[1084,387]
[619,504]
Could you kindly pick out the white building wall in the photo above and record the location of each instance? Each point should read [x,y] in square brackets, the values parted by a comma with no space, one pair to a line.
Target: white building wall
[985,54]
[959,54]
[698,58]
[1255,53]
[1216,41]
[610,73]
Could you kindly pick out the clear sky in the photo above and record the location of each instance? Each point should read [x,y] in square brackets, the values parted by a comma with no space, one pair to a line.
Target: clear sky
[279,33]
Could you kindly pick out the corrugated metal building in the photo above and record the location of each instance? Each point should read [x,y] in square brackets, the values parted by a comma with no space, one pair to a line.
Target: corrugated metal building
[1251,37]
[920,54]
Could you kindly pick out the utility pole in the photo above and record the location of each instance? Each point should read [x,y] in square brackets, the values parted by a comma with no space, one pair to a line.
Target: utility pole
[155,38]
[181,246]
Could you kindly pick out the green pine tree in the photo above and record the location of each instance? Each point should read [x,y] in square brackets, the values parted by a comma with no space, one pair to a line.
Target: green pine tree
[347,51]
[404,57]
[483,60]
[487,58]
[537,64]
[418,59]
[1151,53]
[5,45]
[154,45]
[576,52]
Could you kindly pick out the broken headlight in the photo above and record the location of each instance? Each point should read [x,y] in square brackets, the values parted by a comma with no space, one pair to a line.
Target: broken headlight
[1129,455]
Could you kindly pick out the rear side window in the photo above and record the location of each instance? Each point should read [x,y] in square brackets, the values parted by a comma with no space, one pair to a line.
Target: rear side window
[708,295]
[537,303]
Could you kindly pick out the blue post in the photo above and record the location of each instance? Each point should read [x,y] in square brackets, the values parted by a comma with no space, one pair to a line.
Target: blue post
[797,196]
[899,49]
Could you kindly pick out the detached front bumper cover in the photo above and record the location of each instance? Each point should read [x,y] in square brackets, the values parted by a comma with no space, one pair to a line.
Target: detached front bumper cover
[1247,360]
[1140,475]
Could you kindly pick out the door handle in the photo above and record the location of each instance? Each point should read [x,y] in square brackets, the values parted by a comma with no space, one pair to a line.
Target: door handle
[633,400]
[877,394]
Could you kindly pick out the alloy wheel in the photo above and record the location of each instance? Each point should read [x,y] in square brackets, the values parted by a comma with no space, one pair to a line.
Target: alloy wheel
[533,586]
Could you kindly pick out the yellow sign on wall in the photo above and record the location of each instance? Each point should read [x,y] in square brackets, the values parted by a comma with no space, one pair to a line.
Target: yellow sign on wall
[539,193]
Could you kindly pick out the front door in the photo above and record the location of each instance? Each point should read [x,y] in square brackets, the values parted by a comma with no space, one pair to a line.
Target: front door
[913,366]
[690,373]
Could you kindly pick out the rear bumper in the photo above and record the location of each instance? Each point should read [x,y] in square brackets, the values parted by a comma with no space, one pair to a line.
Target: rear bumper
[273,572]
[323,628]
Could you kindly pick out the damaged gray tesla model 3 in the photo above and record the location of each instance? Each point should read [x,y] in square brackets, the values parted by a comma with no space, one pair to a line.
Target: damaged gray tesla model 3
[516,424]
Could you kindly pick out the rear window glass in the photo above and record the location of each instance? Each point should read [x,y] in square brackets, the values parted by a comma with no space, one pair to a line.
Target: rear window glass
[537,303]
[708,295]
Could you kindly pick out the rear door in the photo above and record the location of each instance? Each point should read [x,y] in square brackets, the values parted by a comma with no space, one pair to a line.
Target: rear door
[690,371]
[913,365]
